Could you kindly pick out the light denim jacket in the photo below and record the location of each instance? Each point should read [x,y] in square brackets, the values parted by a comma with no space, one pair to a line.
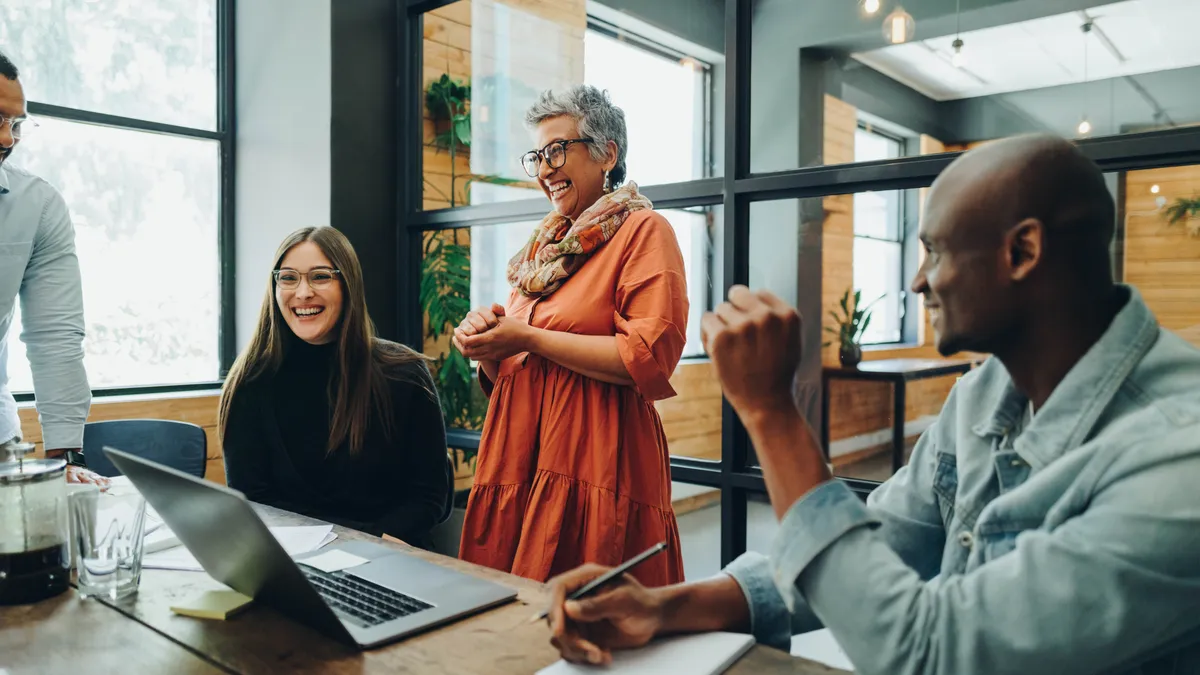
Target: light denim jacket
[38,262]
[1075,550]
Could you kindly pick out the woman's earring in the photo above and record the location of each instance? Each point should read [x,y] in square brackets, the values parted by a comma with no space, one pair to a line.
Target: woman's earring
[607,183]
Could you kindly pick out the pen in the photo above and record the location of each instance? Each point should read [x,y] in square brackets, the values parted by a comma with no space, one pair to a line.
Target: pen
[608,576]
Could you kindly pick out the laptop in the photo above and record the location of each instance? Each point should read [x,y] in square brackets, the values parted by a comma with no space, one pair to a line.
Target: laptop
[391,596]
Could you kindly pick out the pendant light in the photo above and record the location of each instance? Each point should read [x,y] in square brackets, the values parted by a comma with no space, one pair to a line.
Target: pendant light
[1085,127]
[898,27]
[958,59]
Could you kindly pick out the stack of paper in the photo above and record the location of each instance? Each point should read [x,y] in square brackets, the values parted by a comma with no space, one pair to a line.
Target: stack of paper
[295,540]
[699,654]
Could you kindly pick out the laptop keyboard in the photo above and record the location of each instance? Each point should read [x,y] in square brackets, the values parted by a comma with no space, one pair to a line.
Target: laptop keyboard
[359,600]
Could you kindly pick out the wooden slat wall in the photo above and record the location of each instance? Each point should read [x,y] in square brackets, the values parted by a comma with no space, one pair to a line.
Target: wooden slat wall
[692,419]
[1162,260]
[199,409]
[837,235]
[448,49]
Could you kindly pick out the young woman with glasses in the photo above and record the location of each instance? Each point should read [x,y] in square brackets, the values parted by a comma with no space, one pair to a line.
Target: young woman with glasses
[319,416]
[573,464]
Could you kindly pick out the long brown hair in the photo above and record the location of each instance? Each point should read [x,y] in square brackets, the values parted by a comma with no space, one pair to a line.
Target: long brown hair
[359,351]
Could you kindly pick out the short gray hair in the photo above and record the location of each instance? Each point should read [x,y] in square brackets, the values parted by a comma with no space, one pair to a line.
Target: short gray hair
[597,117]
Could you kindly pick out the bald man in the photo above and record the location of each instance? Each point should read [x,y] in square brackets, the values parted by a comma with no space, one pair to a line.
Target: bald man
[1049,522]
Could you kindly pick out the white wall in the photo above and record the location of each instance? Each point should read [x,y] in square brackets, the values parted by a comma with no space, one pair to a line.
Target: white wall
[283,112]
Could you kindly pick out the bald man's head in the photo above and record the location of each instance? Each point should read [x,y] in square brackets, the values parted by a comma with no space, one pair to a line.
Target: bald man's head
[1009,225]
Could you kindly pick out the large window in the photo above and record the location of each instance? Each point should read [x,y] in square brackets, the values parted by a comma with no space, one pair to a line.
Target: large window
[131,133]
[879,231]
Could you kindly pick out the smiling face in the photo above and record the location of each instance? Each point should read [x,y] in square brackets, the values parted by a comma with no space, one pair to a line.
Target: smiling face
[12,104]
[964,278]
[313,313]
[579,182]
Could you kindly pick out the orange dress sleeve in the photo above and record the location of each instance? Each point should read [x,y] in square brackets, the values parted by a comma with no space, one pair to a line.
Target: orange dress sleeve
[651,305]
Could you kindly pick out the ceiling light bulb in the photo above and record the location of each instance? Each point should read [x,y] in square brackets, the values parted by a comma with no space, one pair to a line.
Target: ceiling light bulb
[958,59]
[1154,189]
[870,7]
[898,27]
[1085,127]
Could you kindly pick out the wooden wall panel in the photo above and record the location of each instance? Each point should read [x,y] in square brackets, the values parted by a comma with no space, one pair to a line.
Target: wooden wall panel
[199,409]
[692,419]
[1162,260]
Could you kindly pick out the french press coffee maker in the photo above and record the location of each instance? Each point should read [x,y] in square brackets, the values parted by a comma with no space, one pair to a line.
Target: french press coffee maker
[35,562]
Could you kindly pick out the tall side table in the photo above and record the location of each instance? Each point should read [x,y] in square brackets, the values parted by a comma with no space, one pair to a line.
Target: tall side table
[897,372]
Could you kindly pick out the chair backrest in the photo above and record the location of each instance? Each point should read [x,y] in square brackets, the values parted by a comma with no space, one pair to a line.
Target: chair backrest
[449,506]
[180,445]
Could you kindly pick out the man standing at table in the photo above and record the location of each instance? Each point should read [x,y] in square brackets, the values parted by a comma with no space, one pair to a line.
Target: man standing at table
[38,263]
[1049,521]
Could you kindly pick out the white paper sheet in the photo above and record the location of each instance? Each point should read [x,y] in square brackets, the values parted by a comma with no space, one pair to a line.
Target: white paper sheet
[700,654]
[332,561]
[820,645]
[295,540]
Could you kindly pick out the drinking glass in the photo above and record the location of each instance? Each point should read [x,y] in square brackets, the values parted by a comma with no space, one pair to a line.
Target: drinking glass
[108,532]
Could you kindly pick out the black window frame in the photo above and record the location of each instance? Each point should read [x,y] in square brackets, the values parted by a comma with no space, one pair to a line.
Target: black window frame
[736,189]
[225,134]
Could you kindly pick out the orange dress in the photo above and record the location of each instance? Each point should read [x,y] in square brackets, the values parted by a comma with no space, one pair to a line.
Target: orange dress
[571,469]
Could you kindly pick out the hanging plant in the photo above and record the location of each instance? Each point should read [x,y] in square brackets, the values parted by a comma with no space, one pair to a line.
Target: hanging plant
[1187,211]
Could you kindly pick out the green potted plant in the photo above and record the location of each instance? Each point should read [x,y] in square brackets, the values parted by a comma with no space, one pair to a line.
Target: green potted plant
[851,325]
[1187,211]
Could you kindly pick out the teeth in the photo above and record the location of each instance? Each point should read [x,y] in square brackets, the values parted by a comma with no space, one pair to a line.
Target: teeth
[309,311]
[559,187]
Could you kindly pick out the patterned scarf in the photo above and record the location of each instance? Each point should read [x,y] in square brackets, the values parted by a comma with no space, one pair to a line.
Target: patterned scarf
[559,247]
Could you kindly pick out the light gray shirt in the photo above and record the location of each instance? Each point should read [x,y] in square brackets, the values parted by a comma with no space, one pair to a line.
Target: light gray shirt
[38,263]
[1071,547]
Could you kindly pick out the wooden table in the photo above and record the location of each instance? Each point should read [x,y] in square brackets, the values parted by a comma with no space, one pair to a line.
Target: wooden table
[897,372]
[62,634]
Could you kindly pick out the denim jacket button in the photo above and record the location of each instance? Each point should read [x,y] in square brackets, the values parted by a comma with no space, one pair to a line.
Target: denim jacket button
[966,539]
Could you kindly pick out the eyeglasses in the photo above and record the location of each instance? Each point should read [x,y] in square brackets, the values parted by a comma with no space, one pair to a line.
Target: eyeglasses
[318,277]
[19,125]
[554,153]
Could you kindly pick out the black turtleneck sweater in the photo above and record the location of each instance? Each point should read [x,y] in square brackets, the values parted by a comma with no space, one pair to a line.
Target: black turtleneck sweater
[278,431]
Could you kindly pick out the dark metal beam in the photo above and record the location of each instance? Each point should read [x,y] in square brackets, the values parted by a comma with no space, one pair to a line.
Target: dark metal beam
[668,196]
[227,223]
[410,57]
[119,122]
[418,7]
[734,441]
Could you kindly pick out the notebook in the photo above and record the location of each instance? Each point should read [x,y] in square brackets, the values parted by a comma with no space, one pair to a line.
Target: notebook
[699,654]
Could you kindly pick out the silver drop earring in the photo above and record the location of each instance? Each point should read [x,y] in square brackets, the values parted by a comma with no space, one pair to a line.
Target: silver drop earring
[607,183]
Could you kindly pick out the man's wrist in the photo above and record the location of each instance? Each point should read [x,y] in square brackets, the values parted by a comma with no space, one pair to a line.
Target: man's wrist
[73,455]
[716,604]
[768,419]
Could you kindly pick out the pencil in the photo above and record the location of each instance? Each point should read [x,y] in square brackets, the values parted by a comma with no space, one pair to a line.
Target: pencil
[591,586]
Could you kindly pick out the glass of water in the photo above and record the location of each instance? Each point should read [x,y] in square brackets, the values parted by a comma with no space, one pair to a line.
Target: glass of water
[107,533]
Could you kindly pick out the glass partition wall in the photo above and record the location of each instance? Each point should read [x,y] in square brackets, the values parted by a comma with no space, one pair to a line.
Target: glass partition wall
[789,142]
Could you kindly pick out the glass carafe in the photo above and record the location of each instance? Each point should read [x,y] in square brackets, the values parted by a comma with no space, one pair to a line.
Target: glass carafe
[34,557]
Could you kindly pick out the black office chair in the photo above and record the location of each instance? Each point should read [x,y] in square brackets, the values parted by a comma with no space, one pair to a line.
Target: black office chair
[448,508]
[180,445]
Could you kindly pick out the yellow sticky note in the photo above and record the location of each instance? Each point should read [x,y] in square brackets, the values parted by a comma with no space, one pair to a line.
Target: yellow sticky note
[213,605]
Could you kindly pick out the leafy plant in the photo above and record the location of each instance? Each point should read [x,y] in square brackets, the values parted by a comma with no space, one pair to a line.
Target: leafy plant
[853,321]
[1185,209]
[445,300]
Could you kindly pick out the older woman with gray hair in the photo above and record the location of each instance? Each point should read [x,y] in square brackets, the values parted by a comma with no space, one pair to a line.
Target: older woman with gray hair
[573,465]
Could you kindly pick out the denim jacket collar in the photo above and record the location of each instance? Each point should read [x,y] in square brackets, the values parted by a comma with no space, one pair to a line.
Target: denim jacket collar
[1076,404]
